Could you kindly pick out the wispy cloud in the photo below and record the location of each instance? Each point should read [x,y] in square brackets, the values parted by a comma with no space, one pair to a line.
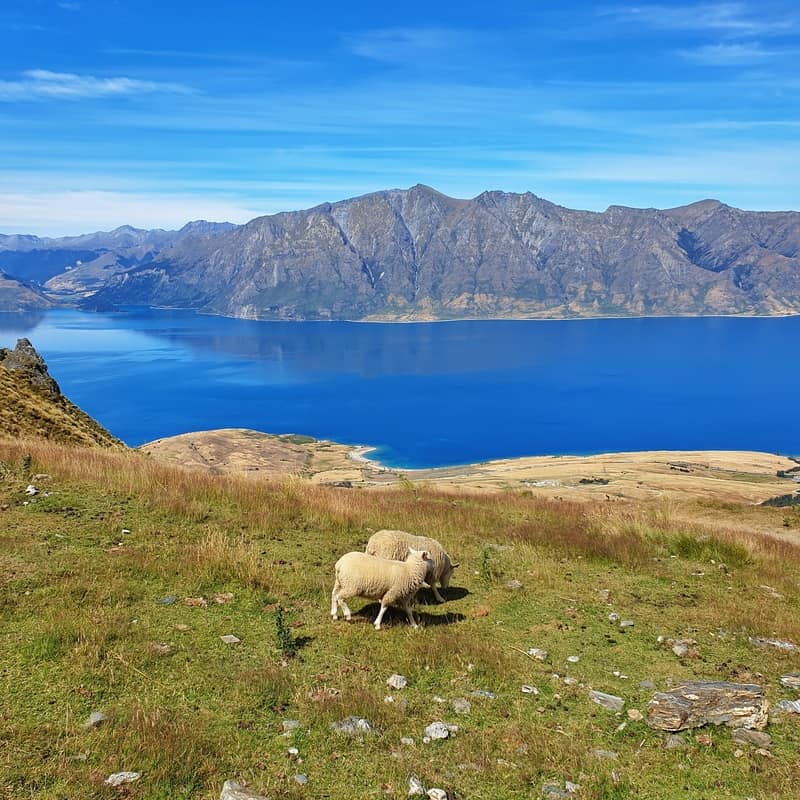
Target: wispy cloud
[736,19]
[731,54]
[38,84]
[407,45]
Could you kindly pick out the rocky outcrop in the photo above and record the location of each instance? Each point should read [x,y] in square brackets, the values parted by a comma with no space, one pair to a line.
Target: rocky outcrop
[32,405]
[418,254]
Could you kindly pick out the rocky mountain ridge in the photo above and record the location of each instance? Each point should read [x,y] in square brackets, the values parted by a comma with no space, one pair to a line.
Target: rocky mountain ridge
[418,254]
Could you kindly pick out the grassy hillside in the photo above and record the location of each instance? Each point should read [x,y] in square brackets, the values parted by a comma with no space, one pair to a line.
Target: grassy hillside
[88,623]
[31,404]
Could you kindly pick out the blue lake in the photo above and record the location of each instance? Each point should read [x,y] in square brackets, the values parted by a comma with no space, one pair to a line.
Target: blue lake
[432,394]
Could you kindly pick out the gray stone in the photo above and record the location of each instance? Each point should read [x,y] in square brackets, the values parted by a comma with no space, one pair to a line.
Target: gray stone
[514,584]
[397,681]
[120,778]
[789,706]
[437,730]
[95,718]
[301,779]
[407,741]
[168,600]
[484,693]
[747,736]
[608,701]
[437,794]
[290,725]
[624,624]
[698,703]
[538,653]
[672,741]
[231,790]
[229,638]
[791,681]
[613,617]
[415,787]
[353,726]
[526,688]
[609,755]
[461,705]
[648,686]
[778,644]
[552,791]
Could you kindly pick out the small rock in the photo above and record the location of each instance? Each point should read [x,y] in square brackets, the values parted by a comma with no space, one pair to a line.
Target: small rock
[290,725]
[293,752]
[415,787]
[397,681]
[613,617]
[625,624]
[538,653]
[301,779]
[514,584]
[162,648]
[571,787]
[606,754]
[353,726]
[571,681]
[119,778]
[791,681]
[437,794]
[604,594]
[95,718]
[704,739]
[196,602]
[388,699]
[168,600]
[480,611]
[461,705]
[673,741]
[747,736]
[236,791]
[573,659]
[526,688]
[126,531]
[648,686]
[437,730]
[437,699]
[229,638]
[634,715]
[407,741]
[790,706]
[222,598]
[738,753]
[779,644]
[608,701]
[683,647]
[484,693]
[180,626]
[552,791]
[760,751]
[32,490]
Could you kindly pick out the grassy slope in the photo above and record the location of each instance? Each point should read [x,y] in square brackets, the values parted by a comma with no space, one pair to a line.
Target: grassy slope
[27,410]
[80,612]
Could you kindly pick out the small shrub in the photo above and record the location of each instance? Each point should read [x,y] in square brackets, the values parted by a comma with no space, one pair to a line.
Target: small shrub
[284,640]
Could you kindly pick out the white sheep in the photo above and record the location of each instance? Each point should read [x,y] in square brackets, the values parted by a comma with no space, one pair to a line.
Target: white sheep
[395,545]
[391,582]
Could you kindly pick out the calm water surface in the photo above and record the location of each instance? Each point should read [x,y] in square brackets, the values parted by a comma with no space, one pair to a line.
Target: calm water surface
[433,394]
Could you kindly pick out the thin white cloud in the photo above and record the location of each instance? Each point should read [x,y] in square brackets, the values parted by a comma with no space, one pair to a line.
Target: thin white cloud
[736,19]
[407,45]
[730,54]
[36,84]
[65,213]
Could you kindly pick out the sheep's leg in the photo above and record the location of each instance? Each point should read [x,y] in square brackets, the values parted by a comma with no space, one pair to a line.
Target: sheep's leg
[439,598]
[410,615]
[379,618]
[334,600]
[345,608]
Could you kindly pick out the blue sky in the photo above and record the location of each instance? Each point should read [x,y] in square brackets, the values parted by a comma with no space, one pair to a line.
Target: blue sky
[151,114]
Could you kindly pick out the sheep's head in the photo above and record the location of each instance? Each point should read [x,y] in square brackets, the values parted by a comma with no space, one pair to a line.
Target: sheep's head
[418,555]
[448,573]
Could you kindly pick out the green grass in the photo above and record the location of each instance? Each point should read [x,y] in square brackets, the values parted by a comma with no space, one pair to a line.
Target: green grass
[80,615]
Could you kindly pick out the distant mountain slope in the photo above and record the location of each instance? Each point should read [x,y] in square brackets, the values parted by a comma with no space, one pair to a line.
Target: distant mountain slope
[18,295]
[31,403]
[39,259]
[418,254]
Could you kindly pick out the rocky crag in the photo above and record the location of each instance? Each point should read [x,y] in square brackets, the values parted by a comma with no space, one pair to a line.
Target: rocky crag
[31,403]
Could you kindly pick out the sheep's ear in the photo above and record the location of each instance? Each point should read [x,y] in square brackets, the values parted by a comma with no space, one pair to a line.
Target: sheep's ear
[425,555]
[455,566]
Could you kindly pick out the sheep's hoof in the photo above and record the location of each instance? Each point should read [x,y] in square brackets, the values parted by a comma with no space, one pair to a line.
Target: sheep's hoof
[377,627]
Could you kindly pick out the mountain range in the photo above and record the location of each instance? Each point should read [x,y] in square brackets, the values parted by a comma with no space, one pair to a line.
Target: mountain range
[419,254]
